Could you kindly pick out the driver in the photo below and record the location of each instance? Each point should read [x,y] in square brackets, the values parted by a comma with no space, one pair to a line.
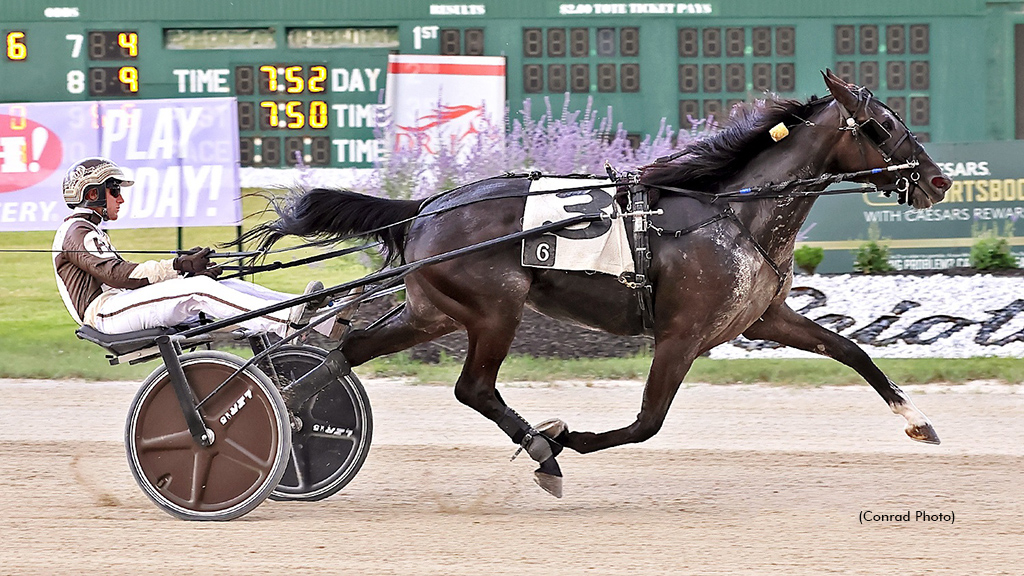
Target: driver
[111,294]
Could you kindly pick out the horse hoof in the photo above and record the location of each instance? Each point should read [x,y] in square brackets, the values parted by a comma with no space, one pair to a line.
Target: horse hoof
[552,428]
[551,484]
[549,477]
[922,433]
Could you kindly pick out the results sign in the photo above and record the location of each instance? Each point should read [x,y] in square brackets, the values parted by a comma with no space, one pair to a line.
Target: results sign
[182,154]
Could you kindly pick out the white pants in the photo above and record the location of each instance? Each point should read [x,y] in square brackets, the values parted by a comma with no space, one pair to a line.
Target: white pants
[180,301]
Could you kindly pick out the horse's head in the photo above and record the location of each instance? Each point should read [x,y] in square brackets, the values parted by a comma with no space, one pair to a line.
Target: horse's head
[875,136]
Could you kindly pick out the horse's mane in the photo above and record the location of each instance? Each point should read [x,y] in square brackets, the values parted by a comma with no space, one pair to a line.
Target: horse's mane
[704,162]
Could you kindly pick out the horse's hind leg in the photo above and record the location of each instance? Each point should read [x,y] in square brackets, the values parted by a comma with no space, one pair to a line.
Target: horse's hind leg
[396,334]
[783,325]
[418,322]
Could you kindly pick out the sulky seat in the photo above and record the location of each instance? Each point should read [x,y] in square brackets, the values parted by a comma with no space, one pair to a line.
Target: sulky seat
[119,344]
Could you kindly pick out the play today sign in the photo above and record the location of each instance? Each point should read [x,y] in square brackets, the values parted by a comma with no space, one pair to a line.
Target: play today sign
[181,153]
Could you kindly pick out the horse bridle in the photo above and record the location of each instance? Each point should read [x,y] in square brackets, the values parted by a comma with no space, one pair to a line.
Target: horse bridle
[878,136]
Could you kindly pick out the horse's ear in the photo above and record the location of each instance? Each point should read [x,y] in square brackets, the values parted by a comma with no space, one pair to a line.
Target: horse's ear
[841,91]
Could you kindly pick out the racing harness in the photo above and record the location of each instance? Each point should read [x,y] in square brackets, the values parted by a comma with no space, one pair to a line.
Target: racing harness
[639,210]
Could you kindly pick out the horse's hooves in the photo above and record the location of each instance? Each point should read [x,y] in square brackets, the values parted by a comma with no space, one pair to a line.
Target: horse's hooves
[922,433]
[551,484]
[549,477]
[552,428]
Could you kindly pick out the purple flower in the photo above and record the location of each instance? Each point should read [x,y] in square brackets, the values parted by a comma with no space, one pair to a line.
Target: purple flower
[573,141]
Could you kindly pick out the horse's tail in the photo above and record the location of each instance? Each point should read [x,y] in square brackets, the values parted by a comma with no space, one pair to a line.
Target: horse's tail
[328,215]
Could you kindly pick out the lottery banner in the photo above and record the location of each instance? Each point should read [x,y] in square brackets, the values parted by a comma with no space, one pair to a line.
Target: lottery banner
[182,154]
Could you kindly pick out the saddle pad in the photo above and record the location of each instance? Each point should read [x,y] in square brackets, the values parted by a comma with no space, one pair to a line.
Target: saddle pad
[600,246]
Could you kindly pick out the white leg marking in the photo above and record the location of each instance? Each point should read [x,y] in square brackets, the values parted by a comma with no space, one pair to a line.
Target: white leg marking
[918,426]
[908,410]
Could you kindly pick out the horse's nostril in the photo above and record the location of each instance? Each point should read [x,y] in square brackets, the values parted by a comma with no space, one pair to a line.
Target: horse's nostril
[941,183]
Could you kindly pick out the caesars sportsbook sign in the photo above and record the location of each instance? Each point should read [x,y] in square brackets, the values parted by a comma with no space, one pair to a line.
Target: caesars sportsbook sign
[987,197]
[182,154]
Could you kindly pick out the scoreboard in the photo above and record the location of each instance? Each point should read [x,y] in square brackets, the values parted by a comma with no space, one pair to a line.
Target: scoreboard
[308,75]
[311,91]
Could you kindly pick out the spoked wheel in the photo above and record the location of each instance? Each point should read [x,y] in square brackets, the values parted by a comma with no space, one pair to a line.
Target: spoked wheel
[250,448]
[336,428]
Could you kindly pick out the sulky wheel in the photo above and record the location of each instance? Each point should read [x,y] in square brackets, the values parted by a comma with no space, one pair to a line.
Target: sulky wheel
[251,442]
[334,430]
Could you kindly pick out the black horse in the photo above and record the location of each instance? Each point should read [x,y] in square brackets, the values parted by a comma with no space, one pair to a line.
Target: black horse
[710,283]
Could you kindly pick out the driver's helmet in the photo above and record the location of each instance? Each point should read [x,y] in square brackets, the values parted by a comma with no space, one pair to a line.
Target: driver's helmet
[90,173]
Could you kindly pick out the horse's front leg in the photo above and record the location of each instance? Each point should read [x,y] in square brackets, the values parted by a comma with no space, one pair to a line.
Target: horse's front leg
[783,325]
[672,359]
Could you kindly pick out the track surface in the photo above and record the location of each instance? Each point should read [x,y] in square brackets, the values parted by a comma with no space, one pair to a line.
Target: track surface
[742,479]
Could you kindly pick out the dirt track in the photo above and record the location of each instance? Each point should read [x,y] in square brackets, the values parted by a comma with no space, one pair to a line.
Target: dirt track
[742,479]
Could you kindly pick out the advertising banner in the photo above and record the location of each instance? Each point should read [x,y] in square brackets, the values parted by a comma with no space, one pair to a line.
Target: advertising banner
[443,101]
[182,154]
[987,197]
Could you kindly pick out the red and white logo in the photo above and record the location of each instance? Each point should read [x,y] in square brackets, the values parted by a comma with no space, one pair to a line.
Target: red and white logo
[29,152]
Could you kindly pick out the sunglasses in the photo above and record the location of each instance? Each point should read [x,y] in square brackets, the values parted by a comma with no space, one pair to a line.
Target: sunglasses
[114,188]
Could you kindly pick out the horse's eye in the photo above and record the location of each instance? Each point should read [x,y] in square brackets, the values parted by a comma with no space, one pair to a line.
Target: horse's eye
[887,124]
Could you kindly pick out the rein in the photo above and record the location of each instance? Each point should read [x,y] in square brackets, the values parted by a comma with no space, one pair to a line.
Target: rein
[778,190]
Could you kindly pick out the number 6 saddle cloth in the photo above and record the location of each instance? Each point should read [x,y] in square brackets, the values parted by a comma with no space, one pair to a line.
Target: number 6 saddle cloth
[599,246]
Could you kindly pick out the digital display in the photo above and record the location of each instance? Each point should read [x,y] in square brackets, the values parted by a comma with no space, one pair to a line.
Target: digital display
[606,41]
[320,38]
[308,85]
[565,52]
[114,81]
[719,67]
[281,78]
[556,78]
[219,39]
[302,101]
[282,89]
[451,42]
[630,77]
[112,45]
[580,38]
[533,78]
[556,42]
[293,115]
[458,42]
[269,151]
[580,77]
[606,80]
[16,48]
[891,61]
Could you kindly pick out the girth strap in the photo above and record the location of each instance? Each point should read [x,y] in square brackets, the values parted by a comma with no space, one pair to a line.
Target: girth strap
[639,211]
[727,209]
